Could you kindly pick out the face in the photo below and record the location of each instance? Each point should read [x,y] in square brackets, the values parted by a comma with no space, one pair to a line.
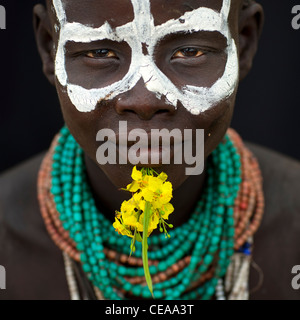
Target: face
[153,63]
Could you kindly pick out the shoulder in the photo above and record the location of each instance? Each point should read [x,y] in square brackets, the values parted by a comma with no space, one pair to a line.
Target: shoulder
[31,260]
[18,197]
[281,182]
[281,179]
[276,244]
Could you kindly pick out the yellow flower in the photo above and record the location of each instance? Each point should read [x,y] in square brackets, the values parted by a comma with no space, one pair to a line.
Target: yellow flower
[127,207]
[154,220]
[136,175]
[149,207]
[133,187]
[166,210]
[133,221]
[155,184]
[137,182]
[167,189]
[148,194]
[162,176]
[121,229]
[154,190]
[137,199]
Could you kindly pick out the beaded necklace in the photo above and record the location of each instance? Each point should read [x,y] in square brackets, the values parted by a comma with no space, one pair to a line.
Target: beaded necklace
[189,265]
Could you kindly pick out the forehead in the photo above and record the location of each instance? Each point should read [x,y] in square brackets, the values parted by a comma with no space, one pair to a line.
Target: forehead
[118,12]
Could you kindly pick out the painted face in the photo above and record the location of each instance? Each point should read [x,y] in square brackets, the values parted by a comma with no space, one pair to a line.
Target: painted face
[157,64]
[142,37]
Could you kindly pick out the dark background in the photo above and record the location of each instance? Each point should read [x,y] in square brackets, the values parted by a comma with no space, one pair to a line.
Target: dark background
[267,109]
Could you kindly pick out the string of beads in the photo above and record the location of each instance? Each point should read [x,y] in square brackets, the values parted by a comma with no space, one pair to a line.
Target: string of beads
[191,263]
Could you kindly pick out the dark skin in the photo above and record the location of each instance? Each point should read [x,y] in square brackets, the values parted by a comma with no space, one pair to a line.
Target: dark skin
[28,248]
[140,107]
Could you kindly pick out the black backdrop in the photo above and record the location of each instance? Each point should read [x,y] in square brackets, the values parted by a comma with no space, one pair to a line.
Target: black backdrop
[267,109]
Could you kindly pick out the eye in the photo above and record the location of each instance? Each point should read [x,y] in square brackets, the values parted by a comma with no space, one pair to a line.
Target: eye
[100,53]
[188,53]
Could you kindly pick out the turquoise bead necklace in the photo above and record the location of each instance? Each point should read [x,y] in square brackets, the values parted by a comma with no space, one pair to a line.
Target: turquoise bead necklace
[208,236]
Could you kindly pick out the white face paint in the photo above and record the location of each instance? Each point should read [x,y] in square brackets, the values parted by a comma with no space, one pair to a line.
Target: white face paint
[135,33]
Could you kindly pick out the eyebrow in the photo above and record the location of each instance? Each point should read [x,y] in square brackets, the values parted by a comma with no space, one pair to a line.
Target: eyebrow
[193,33]
[200,36]
[188,6]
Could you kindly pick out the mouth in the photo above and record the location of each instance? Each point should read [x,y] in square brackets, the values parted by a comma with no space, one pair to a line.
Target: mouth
[145,152]
[147,148]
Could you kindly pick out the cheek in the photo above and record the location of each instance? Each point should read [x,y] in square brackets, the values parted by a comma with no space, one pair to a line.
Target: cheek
[82,125]
[215,123]
[220,119]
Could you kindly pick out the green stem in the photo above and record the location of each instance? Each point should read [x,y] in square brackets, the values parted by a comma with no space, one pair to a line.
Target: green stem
[145,246]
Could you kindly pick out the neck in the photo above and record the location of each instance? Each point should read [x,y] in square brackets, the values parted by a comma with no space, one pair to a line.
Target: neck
[108,197]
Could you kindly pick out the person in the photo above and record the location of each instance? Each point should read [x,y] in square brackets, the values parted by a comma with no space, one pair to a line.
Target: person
[155,65]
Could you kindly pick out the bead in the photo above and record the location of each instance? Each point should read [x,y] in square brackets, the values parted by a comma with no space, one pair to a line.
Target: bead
[76,198]
[56,190]
[86,268]
[77,217]
[77,179]
[78,237]
[208,259]
[216,226]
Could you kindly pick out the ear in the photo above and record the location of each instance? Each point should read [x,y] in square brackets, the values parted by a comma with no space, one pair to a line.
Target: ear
[44,40]
[250,27]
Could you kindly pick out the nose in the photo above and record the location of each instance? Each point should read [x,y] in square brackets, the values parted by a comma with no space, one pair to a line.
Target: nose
[144,103]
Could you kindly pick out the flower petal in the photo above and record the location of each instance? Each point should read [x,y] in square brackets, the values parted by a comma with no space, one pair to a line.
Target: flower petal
[136,174]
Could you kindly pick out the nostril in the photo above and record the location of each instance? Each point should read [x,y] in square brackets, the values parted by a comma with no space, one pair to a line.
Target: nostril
[162,111]
[142,102]
[129,111]
[139,110]
[122,111]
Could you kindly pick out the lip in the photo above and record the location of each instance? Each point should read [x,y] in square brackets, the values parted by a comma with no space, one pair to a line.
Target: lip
[146,154]
[148,138]
[150,148]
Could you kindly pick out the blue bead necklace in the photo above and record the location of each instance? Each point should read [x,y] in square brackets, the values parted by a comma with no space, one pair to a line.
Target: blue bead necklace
[208,236]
